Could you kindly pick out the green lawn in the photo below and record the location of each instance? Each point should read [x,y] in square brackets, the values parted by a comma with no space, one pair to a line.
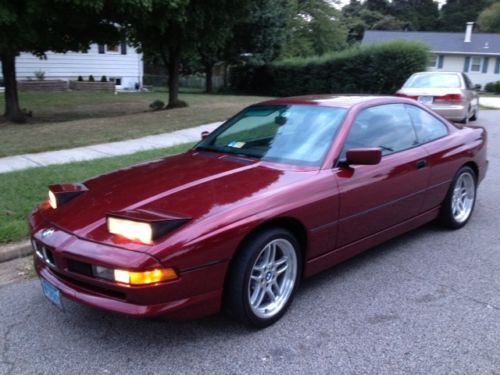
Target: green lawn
[22,191]
[72,119]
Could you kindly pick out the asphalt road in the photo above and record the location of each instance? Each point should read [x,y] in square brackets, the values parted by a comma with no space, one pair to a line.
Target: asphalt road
[425,303]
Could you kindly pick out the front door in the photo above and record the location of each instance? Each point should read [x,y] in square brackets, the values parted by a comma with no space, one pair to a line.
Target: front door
[377,197]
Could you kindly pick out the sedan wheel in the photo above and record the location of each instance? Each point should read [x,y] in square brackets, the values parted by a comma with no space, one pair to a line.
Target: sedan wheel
[459,203]
[264,277]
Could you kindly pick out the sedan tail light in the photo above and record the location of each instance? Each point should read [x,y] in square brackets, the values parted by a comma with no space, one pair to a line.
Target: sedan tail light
[449,98]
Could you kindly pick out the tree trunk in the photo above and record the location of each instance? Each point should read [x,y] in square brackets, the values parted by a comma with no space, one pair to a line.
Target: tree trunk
[174,64]
[12,111]
[209,85]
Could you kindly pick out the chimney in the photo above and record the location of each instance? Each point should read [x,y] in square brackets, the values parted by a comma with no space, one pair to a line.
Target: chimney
[468,32]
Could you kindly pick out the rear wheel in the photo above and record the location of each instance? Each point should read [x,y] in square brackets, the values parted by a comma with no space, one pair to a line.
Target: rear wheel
[475,115]
[264,277]
[459,202]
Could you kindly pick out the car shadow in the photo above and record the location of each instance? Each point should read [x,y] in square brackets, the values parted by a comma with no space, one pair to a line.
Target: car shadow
[104,324]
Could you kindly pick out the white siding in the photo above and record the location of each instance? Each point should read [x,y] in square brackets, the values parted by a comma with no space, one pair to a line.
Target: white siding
[68,66]
[455,63]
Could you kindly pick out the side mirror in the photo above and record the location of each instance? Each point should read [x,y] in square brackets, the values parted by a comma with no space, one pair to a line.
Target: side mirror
[204,134]
[364,156]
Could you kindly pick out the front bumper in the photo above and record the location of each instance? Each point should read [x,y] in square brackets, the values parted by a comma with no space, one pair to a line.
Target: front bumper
[194,294]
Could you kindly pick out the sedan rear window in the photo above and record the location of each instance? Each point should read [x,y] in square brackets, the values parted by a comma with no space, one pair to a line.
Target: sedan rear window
[432,80]
[292,134]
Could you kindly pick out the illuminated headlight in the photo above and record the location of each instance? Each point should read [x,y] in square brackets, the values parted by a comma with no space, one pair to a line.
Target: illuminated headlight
[130,229]
[153,276]
[144,226]
[60,194]
[52,200]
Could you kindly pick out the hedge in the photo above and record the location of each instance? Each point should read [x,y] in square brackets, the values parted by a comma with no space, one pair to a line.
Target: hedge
[377,69]
[492,87]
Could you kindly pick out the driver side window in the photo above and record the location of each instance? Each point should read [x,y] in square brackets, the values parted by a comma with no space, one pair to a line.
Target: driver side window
[387,127]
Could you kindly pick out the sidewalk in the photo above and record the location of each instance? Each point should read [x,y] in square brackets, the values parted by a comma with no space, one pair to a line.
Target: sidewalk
[489,101]
[104,150]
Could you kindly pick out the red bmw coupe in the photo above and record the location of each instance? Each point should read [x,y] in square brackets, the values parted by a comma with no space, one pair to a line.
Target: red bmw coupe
[281,191]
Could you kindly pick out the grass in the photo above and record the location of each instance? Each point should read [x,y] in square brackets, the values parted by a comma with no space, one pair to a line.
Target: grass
[72,119]
[22,191]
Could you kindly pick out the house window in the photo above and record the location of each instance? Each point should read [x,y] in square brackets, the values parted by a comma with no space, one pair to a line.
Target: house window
[476,64]
[115,48]
[433,61]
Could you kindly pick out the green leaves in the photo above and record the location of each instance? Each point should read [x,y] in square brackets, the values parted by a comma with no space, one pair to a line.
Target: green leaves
[376,69]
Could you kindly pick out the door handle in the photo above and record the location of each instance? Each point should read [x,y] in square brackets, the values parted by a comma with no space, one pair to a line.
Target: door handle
[421,164]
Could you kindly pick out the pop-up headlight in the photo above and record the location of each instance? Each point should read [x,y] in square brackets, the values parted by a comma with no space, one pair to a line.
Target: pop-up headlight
[63,193]
[144,226]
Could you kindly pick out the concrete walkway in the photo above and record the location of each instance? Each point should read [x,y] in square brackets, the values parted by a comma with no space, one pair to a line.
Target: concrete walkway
[104,150]
[489,101]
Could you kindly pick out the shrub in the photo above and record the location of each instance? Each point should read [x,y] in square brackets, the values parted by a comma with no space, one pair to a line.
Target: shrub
[104,79]
[39,75]
[91,78]
[157,105]
[493,87]
[80,78]
[378,69]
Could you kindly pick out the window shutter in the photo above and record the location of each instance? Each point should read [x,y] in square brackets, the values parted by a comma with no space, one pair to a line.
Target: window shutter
[100,48]
[466,64]
[497,67]
[123,48]
[440,61]
[485,64]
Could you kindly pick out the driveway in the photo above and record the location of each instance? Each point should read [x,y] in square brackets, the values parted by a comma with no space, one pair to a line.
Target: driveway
[425,303]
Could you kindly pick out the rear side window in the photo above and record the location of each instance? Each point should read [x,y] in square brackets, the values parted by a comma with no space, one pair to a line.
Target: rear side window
[428,127]
[388,127]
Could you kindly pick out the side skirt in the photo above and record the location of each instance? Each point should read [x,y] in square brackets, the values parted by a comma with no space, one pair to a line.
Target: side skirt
[336,256]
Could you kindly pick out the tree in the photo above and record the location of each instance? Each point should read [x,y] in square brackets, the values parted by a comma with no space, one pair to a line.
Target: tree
[211,47]
[456,13]
[421,15]
[315,29]
[37,26]
[489,19]
[262,35]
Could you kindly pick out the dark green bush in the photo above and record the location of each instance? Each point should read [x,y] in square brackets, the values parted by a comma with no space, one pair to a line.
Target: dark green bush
[91,78]
[493,87]
[379,69]
[157,105]
[80,78]
[104,79]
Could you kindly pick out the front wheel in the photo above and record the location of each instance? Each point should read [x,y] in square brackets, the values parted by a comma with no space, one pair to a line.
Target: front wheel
[459,202]
[263,277]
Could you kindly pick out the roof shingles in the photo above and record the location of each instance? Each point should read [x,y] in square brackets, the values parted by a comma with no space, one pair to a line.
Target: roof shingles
[440,42]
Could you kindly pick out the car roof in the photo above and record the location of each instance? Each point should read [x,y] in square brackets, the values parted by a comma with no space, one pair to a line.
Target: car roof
[342,101]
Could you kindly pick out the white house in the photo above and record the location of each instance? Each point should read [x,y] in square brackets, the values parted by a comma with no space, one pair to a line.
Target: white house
[477,54]
[120,62]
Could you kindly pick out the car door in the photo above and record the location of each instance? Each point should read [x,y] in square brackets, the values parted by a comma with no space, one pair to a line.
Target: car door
[377,197]
[431,133]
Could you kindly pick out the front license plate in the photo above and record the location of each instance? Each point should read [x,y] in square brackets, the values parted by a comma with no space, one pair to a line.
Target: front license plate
[425,99]
[52,293]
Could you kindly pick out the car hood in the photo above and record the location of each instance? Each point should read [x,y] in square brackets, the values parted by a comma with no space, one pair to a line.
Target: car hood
[193,185]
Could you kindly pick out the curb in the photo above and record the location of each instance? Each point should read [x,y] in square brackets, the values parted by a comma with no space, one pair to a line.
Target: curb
[15,250]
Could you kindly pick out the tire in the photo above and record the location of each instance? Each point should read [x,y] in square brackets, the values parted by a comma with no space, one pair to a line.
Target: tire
[460,200]
[475,116]
[269,263]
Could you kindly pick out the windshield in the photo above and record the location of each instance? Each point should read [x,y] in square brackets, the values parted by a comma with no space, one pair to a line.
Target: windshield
[445,81]
[292,134]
